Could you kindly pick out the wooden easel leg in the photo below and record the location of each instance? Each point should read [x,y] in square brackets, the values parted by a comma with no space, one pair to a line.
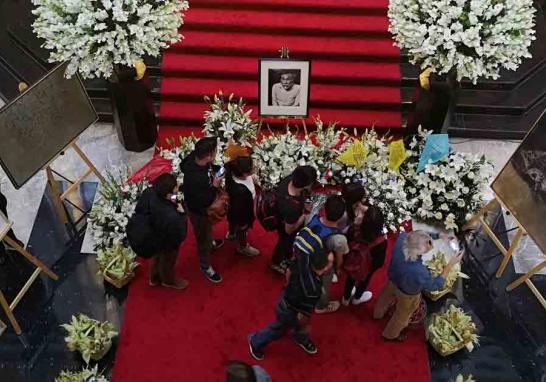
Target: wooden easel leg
[510,252]
[31,258]
[526,276]
[9,313]
[87,161]
[488,207]
[536,292]
[57,201]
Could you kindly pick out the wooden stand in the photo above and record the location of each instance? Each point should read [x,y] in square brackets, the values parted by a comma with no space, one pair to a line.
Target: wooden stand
[40,267]
[60,197]
[508,252]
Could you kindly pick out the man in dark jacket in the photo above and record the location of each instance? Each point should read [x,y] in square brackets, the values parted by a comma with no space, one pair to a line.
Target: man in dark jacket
[295,305]
[200,189]
[167,220]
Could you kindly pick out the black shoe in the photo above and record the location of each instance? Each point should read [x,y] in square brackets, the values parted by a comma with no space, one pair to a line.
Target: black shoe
[217,243]
[212,276]
[256,354]
[308,346]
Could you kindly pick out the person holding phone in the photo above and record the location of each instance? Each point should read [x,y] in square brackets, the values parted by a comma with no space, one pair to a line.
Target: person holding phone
[201,185]
[407,278]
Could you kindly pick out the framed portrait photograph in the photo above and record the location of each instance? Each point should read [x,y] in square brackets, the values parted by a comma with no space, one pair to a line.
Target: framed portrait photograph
[284,87]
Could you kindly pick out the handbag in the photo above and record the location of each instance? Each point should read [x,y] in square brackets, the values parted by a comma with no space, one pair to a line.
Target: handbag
[217,211]
[358,262]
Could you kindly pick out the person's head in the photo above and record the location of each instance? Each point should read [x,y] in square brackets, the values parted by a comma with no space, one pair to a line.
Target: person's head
[417,244]
[287,80]
[205,149]
[304,177]
[372,224]
[334,208]
[322,263]
[353,194]
[238,371]
[165,184]
[241,167]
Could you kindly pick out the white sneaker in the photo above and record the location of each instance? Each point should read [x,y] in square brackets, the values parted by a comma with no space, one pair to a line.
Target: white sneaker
[346,302]
[366,296]
[335,279]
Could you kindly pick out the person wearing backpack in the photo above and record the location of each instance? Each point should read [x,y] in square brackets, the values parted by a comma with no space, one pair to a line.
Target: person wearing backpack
[291,207]
[368,248]
[320,237]
[156,230]
[242,192]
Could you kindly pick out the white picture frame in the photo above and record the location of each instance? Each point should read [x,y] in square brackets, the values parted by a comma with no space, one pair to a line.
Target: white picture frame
[284,87]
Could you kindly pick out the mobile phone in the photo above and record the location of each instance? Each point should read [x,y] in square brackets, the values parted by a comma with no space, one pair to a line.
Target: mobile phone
[174,197]
[220,173]
[454,245]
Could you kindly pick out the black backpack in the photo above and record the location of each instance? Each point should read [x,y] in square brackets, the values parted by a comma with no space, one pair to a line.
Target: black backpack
[266,209]
[140,234]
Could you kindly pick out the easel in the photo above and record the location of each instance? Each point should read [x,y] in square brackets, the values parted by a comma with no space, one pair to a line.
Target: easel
[40,267]
[508,252]
[58,196]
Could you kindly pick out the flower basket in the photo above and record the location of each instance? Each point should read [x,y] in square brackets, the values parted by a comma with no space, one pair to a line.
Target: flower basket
[121,282]
[452,331]
[454,350]
[99,354]
[435,296]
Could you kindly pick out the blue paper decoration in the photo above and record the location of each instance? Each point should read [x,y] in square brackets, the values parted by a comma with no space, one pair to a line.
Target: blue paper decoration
[436,148]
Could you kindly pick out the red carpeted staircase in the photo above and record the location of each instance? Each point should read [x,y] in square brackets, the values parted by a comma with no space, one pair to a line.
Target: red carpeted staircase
[355,75]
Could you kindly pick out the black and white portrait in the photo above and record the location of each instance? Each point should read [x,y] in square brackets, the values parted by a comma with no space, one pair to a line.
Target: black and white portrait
[284,87]
[521,185]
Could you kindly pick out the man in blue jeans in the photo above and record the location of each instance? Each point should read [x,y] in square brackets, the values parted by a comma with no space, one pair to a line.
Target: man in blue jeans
[295,305]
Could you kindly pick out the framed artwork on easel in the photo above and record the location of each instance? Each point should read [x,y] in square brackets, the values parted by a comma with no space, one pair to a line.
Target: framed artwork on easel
[284,87]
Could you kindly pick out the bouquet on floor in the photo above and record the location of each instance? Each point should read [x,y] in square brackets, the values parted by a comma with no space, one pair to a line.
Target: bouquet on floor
[117,262]
[111,212]
[447,192]
[230,122]
[475,38]
[90,337]
[96,35]
[84,375]
[452,331]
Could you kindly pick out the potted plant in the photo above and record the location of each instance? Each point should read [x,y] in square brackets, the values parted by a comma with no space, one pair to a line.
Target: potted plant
[92,338]
[84,375]
[109,39]
[116,264]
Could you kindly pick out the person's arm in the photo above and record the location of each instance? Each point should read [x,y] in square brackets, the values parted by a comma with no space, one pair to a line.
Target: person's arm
[274,98]
[297,98]
[454,260]
[436,283]
[290,228]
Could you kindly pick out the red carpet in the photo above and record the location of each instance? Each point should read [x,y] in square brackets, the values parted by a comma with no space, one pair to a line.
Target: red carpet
[355,68]
[173,336]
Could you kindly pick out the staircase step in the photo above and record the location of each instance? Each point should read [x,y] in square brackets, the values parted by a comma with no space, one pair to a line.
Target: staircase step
[286,23]
[246,44]
[192,90]
[191,115]
[246,68]
[308,6]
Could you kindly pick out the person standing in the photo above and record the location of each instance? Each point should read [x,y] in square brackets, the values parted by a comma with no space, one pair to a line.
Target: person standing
[159,226]
[407,278]
[291,209]
[295,305]
[242,192]
[201,186]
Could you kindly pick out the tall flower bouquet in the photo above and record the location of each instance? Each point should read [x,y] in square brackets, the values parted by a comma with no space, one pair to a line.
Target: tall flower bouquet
[447,192]
[177,154]
[110,214]
[229,121]
[476,38]
[95,35]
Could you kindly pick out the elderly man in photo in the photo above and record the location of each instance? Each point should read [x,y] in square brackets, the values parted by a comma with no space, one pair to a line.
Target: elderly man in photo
[408,277]
[286,92]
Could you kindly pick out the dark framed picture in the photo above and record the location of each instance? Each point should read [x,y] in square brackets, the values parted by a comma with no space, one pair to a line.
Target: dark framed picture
[284,87]
[521,185]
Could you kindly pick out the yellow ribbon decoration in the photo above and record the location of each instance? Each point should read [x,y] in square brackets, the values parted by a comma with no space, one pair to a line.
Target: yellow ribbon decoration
[397,154]
[140,68]
[354,156]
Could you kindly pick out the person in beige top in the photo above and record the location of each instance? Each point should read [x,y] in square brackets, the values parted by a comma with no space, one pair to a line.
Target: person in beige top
[286,92]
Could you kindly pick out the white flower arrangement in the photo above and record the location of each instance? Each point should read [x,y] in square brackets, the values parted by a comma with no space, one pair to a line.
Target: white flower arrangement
[447,192]
[230,122]
[177,154]
[476,38]
[96,35]
[110,214]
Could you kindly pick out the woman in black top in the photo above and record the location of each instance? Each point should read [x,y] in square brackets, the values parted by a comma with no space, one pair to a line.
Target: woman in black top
[241,189]
[370,232]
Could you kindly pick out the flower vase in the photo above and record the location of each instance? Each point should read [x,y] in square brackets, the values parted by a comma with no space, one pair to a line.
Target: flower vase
[133,110]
